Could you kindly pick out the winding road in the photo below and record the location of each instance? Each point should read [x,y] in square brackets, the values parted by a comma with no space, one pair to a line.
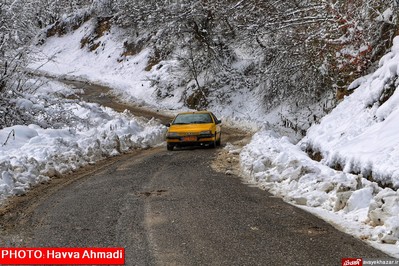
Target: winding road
[172,208]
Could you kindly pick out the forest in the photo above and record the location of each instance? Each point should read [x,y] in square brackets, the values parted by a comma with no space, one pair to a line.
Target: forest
[294,52]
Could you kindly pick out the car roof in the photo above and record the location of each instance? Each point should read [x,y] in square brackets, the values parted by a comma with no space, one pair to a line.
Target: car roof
[195,112]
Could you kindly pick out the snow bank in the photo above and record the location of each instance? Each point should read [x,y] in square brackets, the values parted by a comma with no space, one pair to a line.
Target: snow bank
[354,204]
[361,135]
[32,154]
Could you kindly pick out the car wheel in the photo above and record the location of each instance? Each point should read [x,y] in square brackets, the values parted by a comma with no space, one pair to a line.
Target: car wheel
[214,143]
[169,147]
[219,141]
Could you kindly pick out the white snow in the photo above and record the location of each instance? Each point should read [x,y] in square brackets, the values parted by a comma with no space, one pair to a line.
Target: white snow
[360,135]
[350,202]
[31,154]
[107,66]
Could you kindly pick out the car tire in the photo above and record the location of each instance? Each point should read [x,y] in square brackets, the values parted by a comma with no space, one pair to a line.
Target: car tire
[219,141]
[214,143]
[169,147]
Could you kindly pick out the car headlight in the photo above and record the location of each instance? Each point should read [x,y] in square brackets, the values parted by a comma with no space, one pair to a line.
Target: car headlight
[208,132]
[172,134]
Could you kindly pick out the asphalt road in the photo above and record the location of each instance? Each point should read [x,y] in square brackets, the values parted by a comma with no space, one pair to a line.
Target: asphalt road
[173,208]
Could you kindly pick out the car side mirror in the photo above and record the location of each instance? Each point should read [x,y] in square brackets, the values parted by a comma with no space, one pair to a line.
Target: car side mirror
[219,122]
[167,124]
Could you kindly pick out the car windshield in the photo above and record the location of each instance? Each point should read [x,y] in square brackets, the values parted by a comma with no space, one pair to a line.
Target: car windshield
[192,119]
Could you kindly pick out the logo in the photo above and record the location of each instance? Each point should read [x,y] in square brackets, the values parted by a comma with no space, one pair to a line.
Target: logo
[352,261]
[62,256]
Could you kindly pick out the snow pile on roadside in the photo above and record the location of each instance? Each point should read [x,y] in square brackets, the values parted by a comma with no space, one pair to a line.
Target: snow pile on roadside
[32,154]
[357,205]
[361,135]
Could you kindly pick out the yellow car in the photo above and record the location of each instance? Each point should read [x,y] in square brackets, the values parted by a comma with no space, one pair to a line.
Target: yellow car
[194,128]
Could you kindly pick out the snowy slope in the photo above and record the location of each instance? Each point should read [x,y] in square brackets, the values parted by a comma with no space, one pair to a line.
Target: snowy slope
[106,65]
[361,135]
[66,56]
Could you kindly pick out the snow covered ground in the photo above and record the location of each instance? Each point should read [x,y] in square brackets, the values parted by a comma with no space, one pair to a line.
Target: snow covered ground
[33,154]
[360,135]
[106,66]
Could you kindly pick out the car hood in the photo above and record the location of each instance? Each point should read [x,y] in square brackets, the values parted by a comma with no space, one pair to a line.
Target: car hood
[190,128]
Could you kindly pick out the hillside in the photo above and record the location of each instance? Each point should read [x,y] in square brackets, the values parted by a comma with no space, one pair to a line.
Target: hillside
[352,180]
[259,63]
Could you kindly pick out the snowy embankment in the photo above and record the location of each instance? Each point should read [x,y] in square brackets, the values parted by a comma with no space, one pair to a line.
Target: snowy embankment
[33,154]
[66,56]
[129,76]
[362,136]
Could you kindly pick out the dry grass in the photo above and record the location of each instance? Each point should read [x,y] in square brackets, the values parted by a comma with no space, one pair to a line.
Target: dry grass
[61,28]
[131,49]
[103,26]
[197,100]
[154,60]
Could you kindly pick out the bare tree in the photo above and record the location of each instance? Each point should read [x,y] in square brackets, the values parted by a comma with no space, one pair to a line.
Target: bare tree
[20,22]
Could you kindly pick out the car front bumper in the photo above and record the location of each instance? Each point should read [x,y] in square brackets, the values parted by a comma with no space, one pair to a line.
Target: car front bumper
[190,140]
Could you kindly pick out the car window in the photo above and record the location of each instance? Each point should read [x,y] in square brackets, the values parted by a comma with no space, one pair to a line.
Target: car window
[193,119]
[215,118]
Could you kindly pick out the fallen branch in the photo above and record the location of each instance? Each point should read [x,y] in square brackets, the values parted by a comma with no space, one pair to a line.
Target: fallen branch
[8,137]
